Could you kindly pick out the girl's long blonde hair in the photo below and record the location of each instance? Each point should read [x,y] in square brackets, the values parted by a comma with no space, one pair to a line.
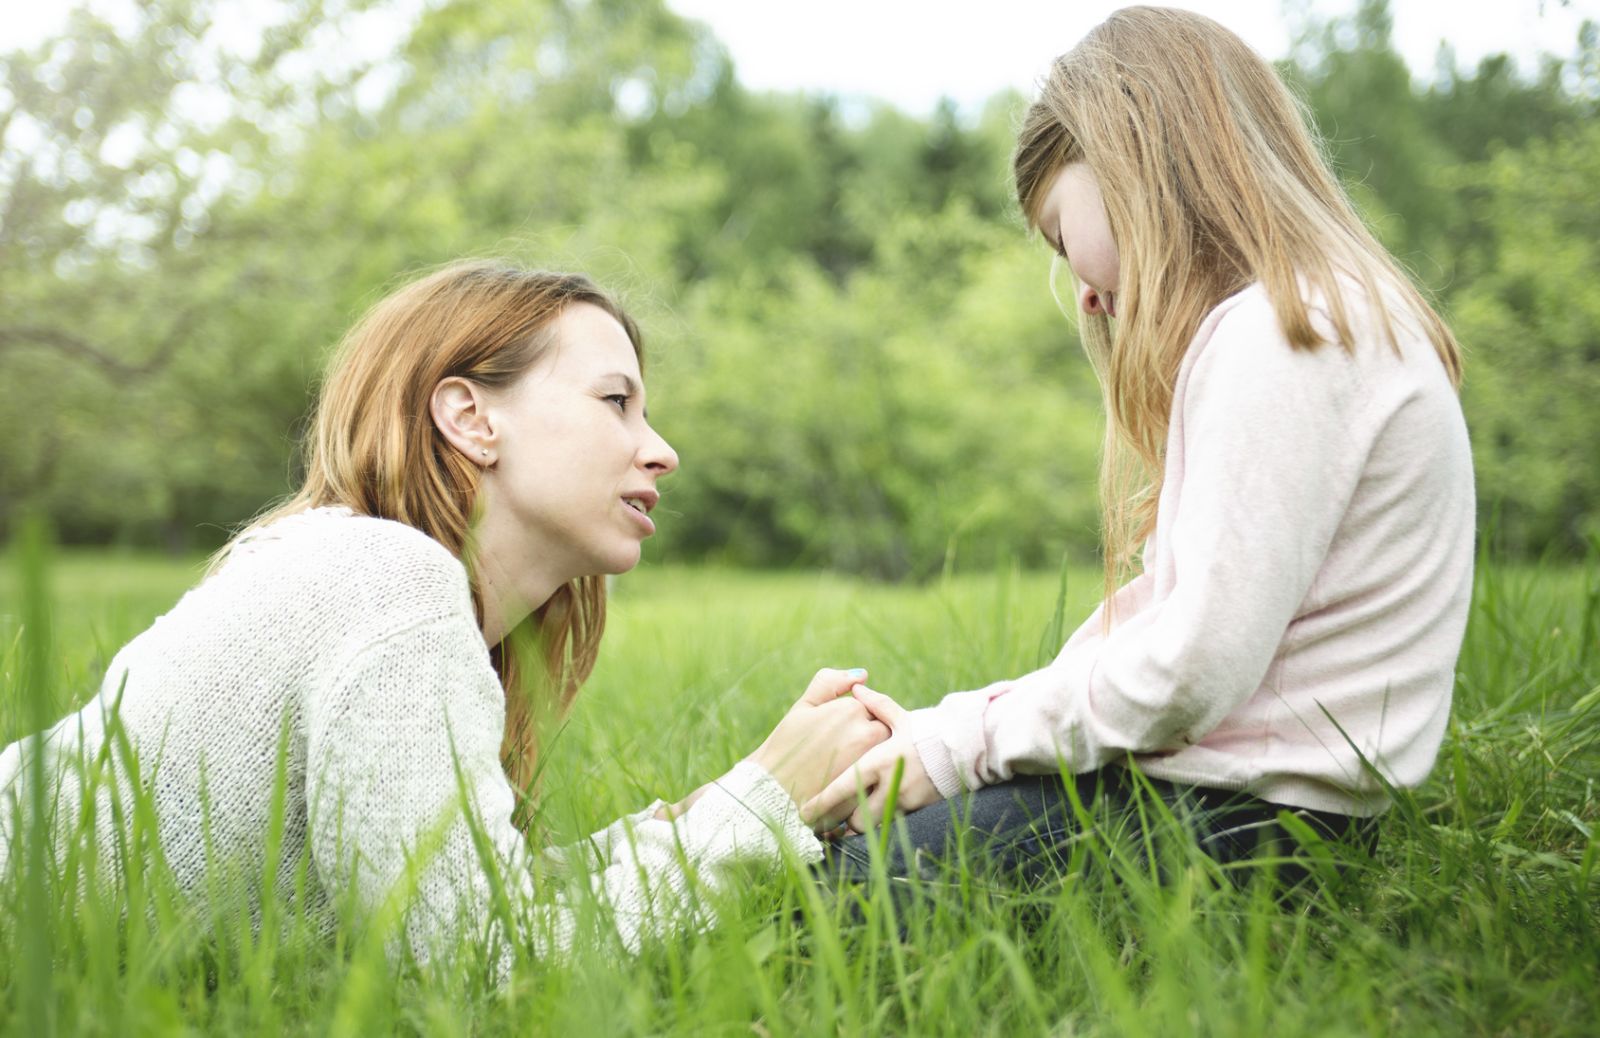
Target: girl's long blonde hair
[374,449]
[1213,179]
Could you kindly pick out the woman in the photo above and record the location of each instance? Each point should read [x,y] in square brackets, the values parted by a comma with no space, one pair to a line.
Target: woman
[480,460]
[1285,441]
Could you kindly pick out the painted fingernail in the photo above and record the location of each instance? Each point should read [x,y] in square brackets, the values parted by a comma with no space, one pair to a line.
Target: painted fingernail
[858,672]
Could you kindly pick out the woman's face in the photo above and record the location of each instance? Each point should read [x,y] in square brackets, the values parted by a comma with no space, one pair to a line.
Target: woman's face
[575,472]
[1073,220]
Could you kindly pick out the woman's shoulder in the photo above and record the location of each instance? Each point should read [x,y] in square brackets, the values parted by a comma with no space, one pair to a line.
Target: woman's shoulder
[336,529]
[368,561]
[386,543]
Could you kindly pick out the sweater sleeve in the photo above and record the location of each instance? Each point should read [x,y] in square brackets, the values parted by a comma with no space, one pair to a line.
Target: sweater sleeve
[410,734]
[1256,487]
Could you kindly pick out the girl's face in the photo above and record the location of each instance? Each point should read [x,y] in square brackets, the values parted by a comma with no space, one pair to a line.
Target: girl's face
[575,472]
[1073,220]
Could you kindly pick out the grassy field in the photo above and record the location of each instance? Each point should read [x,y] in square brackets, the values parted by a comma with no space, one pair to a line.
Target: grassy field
[1479,914]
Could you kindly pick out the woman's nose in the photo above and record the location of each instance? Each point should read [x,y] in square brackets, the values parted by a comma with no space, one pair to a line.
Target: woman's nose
[658,455]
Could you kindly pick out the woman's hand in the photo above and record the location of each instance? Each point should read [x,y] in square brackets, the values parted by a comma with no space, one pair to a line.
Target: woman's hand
[821,735]
[873,774]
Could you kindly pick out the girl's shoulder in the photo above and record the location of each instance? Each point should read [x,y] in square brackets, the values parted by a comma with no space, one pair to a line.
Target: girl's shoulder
[1243,329]
[1241,349]
[1375,362]
[1249,310]
[1379,327]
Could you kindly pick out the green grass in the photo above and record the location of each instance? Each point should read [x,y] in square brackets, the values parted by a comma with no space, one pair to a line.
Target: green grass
[1478,915]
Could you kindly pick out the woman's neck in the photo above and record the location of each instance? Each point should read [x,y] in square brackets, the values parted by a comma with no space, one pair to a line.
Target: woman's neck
[513,578]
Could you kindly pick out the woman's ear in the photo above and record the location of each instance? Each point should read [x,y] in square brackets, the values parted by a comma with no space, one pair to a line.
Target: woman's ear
[459,408]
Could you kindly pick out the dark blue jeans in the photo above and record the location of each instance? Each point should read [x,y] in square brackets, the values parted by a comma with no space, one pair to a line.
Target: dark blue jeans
[1027,828]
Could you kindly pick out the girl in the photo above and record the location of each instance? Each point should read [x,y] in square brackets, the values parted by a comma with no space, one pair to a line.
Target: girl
[480,459]
[1283,438]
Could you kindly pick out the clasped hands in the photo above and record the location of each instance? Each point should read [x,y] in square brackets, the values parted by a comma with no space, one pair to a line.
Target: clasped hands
[836,752]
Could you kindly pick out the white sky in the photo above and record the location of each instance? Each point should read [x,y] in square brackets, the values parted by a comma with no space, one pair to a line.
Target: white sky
[911,52]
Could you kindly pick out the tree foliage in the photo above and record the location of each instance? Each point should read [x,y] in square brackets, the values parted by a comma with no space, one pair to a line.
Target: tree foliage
[852,343]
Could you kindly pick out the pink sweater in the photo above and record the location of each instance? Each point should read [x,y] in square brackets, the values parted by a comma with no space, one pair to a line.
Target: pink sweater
[1311,564]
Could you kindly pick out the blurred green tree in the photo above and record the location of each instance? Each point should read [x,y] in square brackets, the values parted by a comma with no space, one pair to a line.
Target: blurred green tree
[852,342]
[121,145]
[1531,315]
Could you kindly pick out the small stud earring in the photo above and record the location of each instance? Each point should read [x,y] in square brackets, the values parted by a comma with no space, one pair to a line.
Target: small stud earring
[484,453]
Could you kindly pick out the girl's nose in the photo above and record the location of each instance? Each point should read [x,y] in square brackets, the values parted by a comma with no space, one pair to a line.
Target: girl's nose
[1092,302]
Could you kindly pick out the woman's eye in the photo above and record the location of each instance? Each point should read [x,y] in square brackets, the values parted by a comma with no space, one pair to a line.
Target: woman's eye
[620,399]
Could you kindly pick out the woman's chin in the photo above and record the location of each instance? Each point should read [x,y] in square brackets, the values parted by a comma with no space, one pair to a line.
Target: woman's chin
[621,561]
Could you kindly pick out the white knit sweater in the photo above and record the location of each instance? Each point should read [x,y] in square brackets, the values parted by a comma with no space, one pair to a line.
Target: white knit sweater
[351,642]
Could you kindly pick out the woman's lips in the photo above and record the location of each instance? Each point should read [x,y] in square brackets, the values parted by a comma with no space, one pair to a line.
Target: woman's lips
[647,524]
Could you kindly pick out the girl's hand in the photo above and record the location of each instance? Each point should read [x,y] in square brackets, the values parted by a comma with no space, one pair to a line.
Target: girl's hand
[873,774]
[821,735]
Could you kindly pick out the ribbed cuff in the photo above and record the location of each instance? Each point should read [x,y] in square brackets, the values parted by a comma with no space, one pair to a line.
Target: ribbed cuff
[936,758]
[757,792]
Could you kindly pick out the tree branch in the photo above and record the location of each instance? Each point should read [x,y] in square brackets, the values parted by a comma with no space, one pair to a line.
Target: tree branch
[73,346]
